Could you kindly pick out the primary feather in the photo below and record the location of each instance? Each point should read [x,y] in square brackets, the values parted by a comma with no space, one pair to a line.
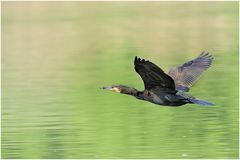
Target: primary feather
[152,75]
[187,74]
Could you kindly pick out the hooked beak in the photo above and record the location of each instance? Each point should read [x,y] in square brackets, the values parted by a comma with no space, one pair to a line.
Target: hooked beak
[115,89]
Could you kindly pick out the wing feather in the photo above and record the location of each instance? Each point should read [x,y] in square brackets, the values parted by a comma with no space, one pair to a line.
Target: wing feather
[152,75]
[187,74]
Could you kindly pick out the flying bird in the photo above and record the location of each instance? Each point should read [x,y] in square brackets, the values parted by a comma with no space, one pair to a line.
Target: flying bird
[167,89]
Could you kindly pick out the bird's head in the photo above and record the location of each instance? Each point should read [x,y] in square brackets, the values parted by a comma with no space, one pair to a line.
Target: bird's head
[115,88]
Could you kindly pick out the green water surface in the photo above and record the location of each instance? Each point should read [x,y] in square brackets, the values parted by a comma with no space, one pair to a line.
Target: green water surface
[56,55]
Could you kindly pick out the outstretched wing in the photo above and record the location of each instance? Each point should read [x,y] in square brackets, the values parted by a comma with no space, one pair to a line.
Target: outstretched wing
[152,75]
[187,74]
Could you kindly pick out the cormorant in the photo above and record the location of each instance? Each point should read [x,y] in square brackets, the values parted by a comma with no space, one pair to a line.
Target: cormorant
[167,89]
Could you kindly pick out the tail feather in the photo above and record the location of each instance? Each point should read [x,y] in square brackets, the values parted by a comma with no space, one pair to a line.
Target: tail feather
[200,102]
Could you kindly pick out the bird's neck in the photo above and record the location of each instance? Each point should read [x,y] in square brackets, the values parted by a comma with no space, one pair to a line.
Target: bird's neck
[130,91]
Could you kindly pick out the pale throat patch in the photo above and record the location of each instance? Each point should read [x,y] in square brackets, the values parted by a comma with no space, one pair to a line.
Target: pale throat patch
[115,89]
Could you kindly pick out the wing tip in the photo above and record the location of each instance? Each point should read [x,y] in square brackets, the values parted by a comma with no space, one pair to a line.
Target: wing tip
[208,58]
[137,60]
[205,54]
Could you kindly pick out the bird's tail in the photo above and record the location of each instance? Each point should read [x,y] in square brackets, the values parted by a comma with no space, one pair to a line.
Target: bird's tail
[200,102]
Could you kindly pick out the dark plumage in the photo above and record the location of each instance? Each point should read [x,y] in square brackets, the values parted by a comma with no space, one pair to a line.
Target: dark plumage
[167,89]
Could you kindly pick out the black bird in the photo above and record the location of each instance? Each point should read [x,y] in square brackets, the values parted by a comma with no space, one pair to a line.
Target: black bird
[167,89]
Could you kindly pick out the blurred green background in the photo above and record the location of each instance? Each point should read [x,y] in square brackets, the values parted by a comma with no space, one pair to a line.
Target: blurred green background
[56,55]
